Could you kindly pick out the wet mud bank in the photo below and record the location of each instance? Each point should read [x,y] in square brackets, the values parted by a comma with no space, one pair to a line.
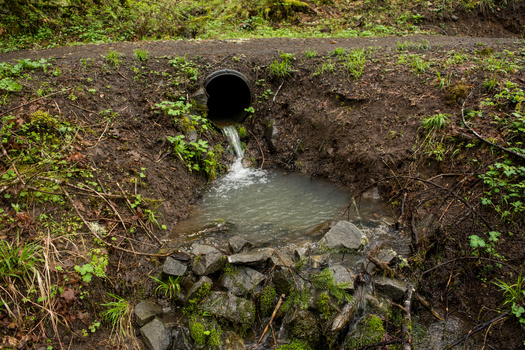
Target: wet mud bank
[345,112]
[364,131]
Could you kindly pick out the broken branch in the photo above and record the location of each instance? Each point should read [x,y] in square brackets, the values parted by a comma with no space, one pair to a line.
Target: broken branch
[477,329]
[260,149]
[33,101]
[100,238]
[271,320]
[506,150]
[148,231]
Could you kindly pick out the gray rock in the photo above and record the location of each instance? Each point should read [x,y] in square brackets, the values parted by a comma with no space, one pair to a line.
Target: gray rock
[454,18]
[372,193]
[375,304]
[391,288]
[285,258]
[319,261]
[227,306]
[343,275]
[207,259]
[156,335]
[191,135]
[181,339]
[256,257]
[384,255]
[321,229]
[188,281]
[242,281]
[192,293]
[145,311]
[200,102]
[200,97]
[343,236]
[283,281]
[270,134]
[301,252]
[424,228]
[174,267]
[238,244]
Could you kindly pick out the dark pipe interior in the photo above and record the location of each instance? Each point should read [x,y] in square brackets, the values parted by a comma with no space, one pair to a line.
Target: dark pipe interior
[229,93]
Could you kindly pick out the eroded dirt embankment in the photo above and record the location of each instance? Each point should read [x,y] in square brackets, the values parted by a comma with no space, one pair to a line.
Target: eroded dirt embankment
[359,130]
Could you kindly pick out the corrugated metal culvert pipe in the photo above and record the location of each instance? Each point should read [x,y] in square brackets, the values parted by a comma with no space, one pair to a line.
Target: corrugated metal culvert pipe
[229,94]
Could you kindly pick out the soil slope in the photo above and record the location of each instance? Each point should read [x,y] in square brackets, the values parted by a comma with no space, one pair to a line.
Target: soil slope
[357,130]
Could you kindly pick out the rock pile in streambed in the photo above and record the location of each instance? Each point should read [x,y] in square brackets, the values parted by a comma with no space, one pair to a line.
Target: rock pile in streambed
[223,296]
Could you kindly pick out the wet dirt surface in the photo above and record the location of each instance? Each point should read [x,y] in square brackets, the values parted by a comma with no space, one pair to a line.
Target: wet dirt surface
[247,47]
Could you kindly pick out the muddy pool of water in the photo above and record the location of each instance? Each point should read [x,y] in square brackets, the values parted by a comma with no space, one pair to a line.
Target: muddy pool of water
[273,207]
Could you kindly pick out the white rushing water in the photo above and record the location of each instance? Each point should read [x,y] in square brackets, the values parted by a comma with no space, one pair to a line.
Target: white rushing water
[238,176]
[235,141]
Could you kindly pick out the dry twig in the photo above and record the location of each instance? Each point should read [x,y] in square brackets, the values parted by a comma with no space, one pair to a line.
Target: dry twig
[13,165]
[148,231]
[260,149]
[33,101]
[271,320]
[100,238]
[506,150]
[477,329]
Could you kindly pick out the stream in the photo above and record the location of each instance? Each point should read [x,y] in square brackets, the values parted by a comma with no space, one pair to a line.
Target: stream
[272,208]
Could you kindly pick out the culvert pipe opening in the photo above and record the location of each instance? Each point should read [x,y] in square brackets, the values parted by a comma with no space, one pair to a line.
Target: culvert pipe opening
[229,95]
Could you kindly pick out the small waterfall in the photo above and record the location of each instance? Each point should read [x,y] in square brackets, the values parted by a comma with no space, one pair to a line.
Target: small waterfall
[235,141]
[238,176]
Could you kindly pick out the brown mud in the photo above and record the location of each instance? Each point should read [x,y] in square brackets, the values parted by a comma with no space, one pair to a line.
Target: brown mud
[357,132]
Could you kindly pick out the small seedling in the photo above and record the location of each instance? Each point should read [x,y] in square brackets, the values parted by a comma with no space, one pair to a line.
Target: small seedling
[113,59]
[141,55]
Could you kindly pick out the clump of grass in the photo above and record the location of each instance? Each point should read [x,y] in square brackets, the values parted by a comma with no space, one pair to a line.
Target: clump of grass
[325,67]
[19,261]
[310,53]
[141,55]
[113,58]
[354,62]
[437,122]
[433,145]
[118,315]
[338,52]
[283,68]
[419,64]
[490,84]
[169,288]
[409,45]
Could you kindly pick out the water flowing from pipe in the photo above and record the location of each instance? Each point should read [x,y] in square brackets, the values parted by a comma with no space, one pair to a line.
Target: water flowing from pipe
[235,140]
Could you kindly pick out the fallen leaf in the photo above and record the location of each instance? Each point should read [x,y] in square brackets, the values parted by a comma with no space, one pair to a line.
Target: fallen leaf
[68,295]
[83,316]
[79,205]
[23,217]
[135,156]
[10,341]
[73,157]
